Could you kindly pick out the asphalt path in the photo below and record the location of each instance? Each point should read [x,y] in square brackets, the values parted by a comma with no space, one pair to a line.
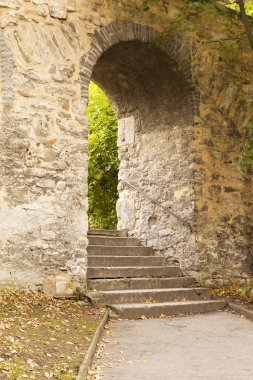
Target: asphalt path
[215,346]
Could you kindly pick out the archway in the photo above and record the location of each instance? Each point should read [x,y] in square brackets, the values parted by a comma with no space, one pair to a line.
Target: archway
[46,67]
[148,81]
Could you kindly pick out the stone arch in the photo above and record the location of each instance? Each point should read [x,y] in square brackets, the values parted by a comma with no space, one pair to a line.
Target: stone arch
[157,75]
[107,36]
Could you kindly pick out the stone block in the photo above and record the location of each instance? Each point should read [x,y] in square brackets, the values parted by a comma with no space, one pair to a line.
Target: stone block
[61,283]
[57,12]
[9,4]
[183,193]
[126,213]
[126,131]
[48,235]
[49,287]
[40,2]
[46,183]
[64,286]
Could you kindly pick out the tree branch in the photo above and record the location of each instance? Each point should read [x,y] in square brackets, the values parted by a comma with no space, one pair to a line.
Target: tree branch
[245,22]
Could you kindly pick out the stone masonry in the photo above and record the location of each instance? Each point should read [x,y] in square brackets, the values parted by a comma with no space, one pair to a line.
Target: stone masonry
[182,125]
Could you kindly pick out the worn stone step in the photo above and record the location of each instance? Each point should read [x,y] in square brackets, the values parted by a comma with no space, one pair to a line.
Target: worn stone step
[119,272]
[103,250]
[113,241]
[140,283]
[155,310]
[148,295]
[126,261]
[96,232]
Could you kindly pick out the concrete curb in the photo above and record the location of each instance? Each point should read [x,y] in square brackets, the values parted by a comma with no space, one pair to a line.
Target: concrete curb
[241,310]
[83,371]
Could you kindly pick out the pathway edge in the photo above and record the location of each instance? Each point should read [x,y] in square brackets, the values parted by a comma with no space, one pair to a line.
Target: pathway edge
[83,370]
[242,310]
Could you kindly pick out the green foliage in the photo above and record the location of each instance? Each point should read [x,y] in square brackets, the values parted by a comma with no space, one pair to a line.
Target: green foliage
[231,4]
[247,290]
[179,24]
[146,4]
[248,6]
[229,47]
[191,8]
[246,159]
[103,160]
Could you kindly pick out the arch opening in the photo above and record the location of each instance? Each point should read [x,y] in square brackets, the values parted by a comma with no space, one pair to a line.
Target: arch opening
[142,79]
[153,98]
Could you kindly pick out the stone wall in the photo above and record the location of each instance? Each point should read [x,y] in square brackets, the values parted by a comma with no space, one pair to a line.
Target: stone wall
[169,182]
[184,151]
[224,224]
[43,151]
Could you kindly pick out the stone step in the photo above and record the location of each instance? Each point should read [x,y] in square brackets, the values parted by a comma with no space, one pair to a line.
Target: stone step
[113,241]
[140,283]
[156,310]
[148,295]
[119,272]
[103,250]
[95,232]
[126,261]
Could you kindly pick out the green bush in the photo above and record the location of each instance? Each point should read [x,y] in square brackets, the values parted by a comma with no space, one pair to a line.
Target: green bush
[103,160]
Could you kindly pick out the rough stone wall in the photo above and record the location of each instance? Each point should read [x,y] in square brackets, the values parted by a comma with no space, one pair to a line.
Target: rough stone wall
[43,150]
[170,182]
[224,212]
[49,51]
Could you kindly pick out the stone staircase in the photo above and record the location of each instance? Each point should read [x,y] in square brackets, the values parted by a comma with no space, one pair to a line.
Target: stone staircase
[133,283]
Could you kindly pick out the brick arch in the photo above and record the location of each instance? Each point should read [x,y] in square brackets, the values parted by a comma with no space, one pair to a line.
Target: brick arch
[6,73]
[105,37]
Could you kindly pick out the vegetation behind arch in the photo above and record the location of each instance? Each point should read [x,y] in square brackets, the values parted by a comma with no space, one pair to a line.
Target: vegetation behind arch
[103,160]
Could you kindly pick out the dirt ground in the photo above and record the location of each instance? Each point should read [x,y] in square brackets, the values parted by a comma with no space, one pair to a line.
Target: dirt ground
[43,338]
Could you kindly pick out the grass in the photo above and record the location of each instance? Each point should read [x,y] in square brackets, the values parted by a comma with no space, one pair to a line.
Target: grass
[43,338]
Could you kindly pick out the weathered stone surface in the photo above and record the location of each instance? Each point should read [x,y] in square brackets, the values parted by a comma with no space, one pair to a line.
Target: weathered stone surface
[126,128]
[126,213]
[9,4]
[55,12]
[40,2]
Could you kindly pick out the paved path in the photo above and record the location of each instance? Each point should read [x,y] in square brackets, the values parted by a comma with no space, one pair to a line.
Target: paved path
[216,346]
